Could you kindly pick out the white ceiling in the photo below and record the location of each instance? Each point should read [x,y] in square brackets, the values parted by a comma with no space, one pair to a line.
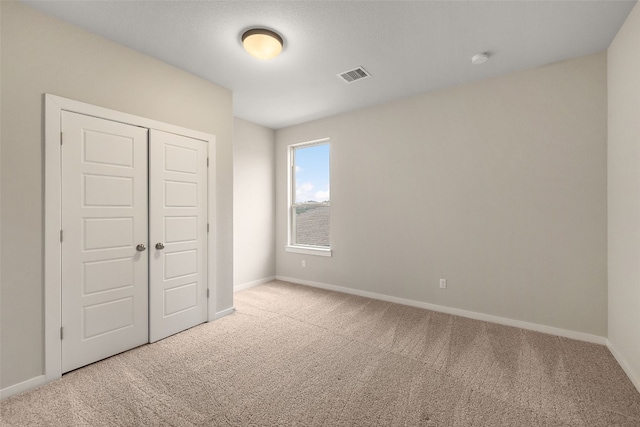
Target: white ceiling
[408,47]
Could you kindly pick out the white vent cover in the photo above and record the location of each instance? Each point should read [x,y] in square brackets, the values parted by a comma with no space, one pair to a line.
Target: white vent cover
[353,75]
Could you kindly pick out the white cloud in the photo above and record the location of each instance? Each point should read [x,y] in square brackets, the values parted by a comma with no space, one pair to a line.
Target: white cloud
[322,196]
[298,169]
[304,192]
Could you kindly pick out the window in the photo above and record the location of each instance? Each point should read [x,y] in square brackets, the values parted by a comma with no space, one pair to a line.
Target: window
[309,198]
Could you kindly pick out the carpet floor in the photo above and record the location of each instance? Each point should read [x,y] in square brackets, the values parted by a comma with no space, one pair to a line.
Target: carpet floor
[295,355]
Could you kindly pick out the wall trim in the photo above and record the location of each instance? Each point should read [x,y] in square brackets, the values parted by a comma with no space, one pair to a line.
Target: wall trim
[253,284]
[580,336]
[624,365]
[223,313]
[23,386]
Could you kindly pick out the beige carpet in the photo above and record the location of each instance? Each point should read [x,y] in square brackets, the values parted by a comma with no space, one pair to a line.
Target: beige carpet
[293,355]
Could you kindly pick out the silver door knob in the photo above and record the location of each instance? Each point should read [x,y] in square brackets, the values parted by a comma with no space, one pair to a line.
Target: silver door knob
[159,246]
[141,247]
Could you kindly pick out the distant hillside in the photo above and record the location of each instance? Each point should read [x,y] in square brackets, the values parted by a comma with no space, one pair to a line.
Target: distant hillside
[312,226]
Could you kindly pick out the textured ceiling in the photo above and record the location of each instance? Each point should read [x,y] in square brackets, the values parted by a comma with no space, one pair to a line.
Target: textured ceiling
[409,47]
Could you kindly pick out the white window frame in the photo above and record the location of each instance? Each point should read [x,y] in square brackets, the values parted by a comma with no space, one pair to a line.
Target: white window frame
[292,205]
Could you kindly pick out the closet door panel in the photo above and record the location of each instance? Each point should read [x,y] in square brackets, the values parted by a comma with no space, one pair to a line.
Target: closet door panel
[104,219]
[178,233]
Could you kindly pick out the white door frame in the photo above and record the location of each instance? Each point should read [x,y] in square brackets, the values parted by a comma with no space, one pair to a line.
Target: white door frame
[54,105]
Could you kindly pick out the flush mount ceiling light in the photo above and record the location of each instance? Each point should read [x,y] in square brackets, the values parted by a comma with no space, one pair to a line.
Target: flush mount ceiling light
[480,58]
[262,43]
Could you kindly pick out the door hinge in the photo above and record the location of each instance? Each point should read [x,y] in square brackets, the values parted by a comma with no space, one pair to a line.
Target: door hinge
[61,236]
[60,138]
[207,227]
[207,162]
[61,333]
[207,293]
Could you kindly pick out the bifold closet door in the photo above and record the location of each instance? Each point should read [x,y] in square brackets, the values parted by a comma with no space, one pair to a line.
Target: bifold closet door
[104,237]
[178,233]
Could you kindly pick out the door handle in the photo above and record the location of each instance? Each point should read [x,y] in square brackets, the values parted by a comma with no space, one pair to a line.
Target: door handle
[141,247]
[159,246]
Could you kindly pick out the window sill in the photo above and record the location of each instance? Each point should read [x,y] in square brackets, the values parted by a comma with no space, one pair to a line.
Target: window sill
[308,250]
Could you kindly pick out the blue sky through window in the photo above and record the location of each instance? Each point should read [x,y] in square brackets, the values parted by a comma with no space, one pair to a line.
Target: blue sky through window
[312,173]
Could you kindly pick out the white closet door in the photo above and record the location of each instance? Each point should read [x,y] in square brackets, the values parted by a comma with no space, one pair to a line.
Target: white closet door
[178,233]
[104,219]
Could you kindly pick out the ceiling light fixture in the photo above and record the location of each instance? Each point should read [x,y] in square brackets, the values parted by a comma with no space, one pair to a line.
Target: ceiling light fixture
[262,43]
[480,58]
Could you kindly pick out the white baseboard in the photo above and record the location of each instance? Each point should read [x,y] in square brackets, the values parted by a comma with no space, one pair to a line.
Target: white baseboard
[624,365]
[252,284]
[580,336]
[226,312]
[23,386]
[32,383]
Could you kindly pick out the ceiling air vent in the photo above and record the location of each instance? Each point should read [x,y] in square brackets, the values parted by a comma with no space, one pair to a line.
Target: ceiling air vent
[353,75]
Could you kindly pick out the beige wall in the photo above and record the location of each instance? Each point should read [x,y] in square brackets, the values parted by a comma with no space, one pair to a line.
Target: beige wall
[498,186]
[253,203]
[624,194]
[44,55]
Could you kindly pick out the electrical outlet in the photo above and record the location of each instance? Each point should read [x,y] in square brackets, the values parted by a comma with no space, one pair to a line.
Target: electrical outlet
[304,263]
[443,283]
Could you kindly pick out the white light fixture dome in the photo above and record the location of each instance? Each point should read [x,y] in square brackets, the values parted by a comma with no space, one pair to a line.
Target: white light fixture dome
[262,43]
[479,58]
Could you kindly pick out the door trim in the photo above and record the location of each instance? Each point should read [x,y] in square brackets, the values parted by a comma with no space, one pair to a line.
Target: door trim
[53,107]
